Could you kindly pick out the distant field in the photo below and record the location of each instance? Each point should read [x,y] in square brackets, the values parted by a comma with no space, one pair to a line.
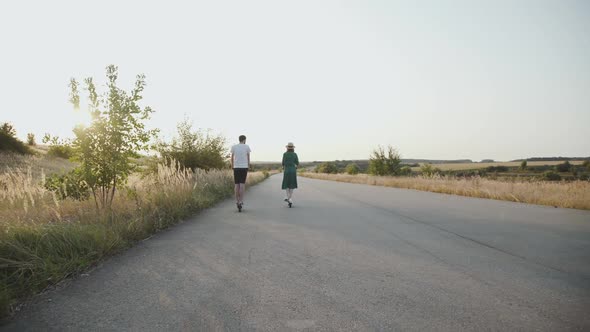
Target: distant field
[469,166]
[575,194]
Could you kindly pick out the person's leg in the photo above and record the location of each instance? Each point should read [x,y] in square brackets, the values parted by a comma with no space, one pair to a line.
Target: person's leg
[237,192]
[242,190]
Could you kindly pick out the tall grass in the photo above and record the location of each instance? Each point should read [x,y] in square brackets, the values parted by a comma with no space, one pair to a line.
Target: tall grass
[575,194]
[39,163]
[44,240]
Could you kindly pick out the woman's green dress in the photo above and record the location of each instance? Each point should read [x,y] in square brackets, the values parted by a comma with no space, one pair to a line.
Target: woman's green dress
[290,163]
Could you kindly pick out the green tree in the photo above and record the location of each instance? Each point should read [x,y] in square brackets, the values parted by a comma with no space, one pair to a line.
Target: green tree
[352,169]
[523,165]
[195,149]
[586,164]
[384,163]
[117,132]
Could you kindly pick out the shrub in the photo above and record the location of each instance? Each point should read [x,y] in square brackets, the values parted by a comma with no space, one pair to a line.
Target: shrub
[195,149]
[523,165]
[551,176]
[586,164]
[382,164]
[564,167]
[496,169]
[67,185]
[352,168]
[64,151]
[59,148]
[327,167]
[429,170]
[8,129]
[9,142]
[405,171]
[31,139]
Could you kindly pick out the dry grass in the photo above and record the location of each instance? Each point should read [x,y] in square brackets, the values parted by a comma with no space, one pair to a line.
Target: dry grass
[37,164]
[44,240]
[470,166]
[574,194]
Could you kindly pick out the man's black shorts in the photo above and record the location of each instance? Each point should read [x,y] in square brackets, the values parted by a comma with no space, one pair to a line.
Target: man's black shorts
[240,175]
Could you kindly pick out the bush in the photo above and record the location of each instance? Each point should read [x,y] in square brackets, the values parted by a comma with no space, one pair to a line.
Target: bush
[586,164]
[551,176]
[31,139]
[429,170]
[352,169]
[9,142]
[523,165]
[195,149]
[405,171]
[327,167]
[61,151]
[382,164]
[565,167]
[496,169]
[70,185]
[59,148]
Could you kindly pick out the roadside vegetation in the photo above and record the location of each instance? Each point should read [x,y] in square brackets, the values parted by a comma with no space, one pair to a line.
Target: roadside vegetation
[573,194]
[555,183]
[66,206]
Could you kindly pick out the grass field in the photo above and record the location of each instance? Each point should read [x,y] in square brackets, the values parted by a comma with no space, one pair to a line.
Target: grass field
[474,166]
[44,240]
[37,164]
[574,194]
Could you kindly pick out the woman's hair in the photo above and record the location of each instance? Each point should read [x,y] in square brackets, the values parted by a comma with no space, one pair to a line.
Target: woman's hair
[290,149]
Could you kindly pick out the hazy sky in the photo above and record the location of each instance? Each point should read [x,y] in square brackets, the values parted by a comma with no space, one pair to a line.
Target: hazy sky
[436,79]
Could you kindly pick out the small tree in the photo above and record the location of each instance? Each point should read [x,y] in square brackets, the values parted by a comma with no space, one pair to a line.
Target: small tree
[523,165]
[194,149]
[31,139]
[352,169]
[116,134]
[586,164]
[381,163]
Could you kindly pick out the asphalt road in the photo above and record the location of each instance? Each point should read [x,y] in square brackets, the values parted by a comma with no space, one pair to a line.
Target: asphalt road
[345,257]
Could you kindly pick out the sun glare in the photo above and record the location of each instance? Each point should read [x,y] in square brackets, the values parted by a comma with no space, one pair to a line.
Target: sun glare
[82,117]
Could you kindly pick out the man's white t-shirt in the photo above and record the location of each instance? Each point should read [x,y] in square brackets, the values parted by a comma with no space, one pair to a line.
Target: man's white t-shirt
[240,152]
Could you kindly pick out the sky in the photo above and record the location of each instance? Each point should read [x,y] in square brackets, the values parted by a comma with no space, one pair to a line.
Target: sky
[462,79]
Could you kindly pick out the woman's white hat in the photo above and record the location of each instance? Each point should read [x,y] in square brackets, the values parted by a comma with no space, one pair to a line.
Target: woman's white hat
[290,145]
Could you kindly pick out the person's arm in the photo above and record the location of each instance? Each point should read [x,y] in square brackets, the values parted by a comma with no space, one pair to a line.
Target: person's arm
[248,160]
[232,160]
[296,160]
